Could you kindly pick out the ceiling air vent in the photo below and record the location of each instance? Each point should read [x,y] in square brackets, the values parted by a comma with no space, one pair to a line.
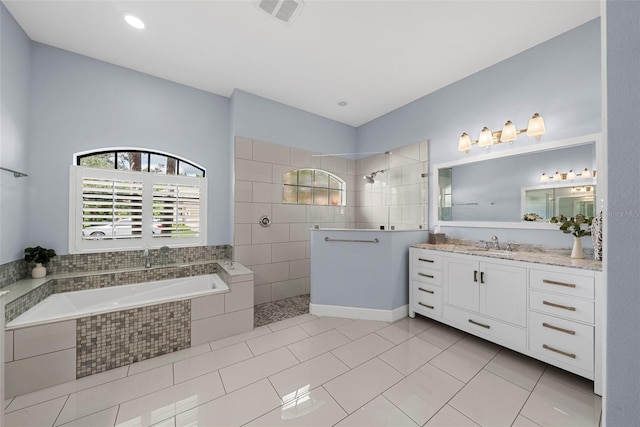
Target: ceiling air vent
[283,10]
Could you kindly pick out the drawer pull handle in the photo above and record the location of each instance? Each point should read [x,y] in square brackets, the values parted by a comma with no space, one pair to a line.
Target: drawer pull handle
[425,290]
[553,282]
[479,324]
[475,275]
[425,260]
[556,328]
[564,353]
[482,277]
[425,305]
[564,307]
[430,276]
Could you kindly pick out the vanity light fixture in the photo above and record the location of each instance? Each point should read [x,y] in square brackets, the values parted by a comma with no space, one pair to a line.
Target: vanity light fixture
[567,176]
[583,189]
[509,133]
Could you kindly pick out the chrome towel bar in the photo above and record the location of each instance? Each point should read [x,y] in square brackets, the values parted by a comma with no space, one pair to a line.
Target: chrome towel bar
[327,239]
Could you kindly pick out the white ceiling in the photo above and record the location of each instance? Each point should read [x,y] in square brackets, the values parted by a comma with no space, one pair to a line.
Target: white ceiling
[377,55]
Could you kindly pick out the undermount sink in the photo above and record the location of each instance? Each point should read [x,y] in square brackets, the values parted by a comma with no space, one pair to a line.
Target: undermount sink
[489,251]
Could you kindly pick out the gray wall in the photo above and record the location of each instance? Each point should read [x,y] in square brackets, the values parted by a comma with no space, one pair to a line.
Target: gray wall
[260,118]
[15,71]
[79,103]
[560,79]
[622,248]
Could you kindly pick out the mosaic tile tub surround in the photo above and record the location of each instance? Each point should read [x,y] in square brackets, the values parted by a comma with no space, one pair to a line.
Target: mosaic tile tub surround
[195,259]
[50,354]
[110,340]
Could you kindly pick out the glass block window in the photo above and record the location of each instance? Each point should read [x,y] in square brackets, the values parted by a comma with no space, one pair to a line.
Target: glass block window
[313,187]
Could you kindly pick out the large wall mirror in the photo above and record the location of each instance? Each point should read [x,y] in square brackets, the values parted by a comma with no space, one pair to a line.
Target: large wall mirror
[509,187]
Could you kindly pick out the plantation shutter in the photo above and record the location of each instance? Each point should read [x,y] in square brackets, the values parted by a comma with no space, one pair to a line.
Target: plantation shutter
[176,208]
[111,208]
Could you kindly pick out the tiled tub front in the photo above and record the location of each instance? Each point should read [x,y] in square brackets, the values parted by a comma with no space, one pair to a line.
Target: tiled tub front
[42,356]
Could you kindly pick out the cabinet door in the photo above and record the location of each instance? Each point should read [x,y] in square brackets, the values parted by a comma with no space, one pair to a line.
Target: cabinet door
[503,293]
[462,283]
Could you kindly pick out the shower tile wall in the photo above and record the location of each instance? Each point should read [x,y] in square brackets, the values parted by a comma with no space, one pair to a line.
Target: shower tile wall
[279,255]
[398,198]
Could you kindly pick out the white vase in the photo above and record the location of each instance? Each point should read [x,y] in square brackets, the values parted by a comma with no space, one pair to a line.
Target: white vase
[38,271]
[577,251]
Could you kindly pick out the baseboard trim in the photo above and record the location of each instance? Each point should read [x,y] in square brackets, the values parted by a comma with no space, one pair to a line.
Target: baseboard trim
[359,313]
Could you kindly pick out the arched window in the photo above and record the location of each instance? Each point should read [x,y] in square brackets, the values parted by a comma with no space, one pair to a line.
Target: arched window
[313,187]
[137,160]
[134,199]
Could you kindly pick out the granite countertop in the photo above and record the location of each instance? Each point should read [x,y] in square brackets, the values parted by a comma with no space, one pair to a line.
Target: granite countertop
[537,254]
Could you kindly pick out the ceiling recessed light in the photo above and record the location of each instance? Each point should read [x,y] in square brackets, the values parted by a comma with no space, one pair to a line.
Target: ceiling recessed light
[134,21]
[342,103]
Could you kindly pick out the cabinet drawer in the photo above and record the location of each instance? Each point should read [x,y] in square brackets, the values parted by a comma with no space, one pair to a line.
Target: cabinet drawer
[563,340]
[563,306]
[477,324]
[424,259]
[562,283]
[427,275]
[427,298]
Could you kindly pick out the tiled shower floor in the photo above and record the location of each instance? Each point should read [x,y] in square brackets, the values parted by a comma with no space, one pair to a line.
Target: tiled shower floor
[323,371]
[275,311]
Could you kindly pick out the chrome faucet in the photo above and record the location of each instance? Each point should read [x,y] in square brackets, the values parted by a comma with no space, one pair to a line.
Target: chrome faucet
[496,244]
[147,258]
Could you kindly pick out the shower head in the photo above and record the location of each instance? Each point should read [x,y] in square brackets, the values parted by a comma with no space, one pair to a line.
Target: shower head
[369,179]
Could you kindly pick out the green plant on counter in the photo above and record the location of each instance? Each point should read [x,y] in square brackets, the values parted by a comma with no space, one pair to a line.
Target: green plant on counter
[574,225]
[39,255]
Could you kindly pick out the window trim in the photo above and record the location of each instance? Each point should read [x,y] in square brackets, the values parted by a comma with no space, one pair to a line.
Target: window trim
[79,245]
[77,157]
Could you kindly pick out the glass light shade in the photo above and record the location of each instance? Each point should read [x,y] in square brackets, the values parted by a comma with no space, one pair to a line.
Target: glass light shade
[509,132]
[486,138]
[557,176]
[536,126]
[586,173]
[571,175]
[464,143]
[544,178]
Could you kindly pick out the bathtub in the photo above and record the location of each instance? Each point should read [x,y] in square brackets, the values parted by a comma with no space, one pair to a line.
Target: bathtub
[78,304]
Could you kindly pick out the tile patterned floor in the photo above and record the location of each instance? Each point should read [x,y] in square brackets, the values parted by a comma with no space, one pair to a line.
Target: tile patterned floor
[324,371]
[270,312]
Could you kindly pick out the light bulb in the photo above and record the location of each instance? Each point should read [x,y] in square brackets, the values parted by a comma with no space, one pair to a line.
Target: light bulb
[486,138]
[557,176]
[586,173]
[544,178]
[464,143]
[509,132]
[134,21]
[571,175]
[536,126]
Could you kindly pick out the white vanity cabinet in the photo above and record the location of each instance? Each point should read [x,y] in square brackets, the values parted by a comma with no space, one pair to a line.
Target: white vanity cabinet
[488,298]
[547,312]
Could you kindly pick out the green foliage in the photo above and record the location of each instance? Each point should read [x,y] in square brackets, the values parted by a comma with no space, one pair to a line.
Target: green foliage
[574,225]
[39,255]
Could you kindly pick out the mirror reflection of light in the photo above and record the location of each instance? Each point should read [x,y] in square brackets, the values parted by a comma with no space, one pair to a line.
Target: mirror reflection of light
[299,403]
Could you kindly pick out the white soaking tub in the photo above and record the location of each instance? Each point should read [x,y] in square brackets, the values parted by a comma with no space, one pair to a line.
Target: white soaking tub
[74,305]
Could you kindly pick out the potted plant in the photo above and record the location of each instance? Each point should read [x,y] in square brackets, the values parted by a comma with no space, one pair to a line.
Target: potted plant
[41,257]
[579,226]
